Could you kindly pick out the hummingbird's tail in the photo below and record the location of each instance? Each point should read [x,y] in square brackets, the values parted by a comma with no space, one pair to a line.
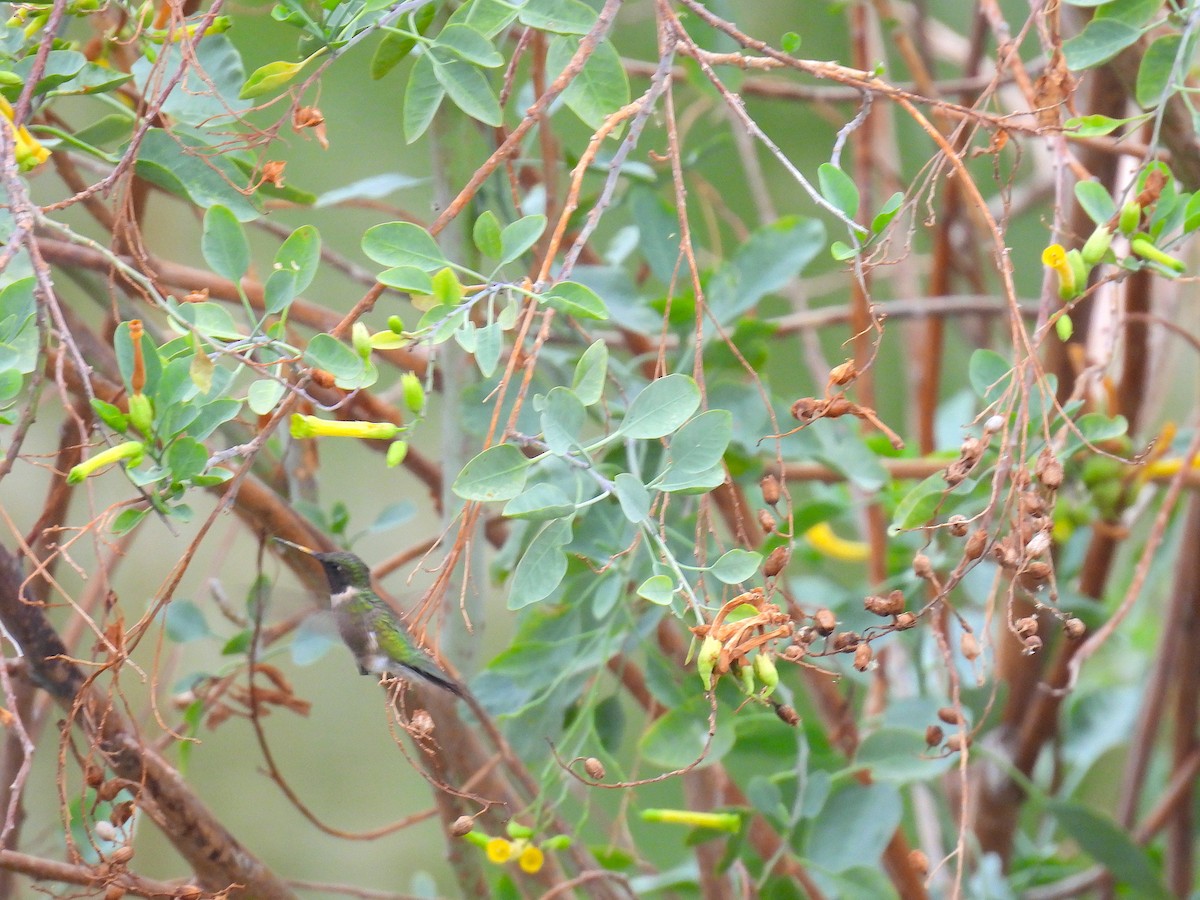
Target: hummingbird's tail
[435,678]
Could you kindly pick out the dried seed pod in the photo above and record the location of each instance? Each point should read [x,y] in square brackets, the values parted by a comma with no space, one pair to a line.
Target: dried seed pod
[1005,556]
[1033,644]
[766,521]
[949,715]
[121,813]
[957,525]
[806,409]
[969,646]
[776,562]
[106,831]
[1049,470]
[976,544]
[993,425]
[824,621]
[1038,544]
[121,855]
[462,825]
[906,620]
[957,741]
[321,378]
[794,652]
[1074,628]
[919,861]
[787,714]
[842,375]
[1035,576]
[922,566]
[93,775]
[845,641]
[594,768]
[863,656]
[933,735]
[1026,626]
[891,605]
[114,892]
[421,723]
[770,489]
[108,790]
[806,634]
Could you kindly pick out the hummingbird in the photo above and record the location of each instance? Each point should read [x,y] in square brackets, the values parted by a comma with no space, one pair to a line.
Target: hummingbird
[379,641]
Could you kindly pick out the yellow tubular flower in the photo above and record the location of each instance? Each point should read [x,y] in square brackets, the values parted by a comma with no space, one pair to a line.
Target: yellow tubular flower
[311,426]
[730,822]
[28,151]
[827,543]
[531,859]
[1055,257]
[498,850]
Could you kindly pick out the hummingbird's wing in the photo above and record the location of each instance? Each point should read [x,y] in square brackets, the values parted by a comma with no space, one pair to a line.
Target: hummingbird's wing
[396,644]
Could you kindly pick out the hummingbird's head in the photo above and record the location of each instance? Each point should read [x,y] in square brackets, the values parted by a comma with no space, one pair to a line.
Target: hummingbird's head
[342,570]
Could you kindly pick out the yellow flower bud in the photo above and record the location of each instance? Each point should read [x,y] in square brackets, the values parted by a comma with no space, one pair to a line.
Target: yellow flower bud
[130,450]
[414,392]
[310,426]
[141,413]
[706,660]
[764,668]
[396,453]
[1055,257]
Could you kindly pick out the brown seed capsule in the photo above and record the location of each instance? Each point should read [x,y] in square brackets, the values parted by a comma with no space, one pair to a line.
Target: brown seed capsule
[1033,644]
[794,652]
[93,775]
[933,735]
[1049,470]
[114,892]
[421,723]
[976,544]
[845,641]
[1035,576]
[906,620]
[957,741]
[108,790]
[806,409]
[121,855]
[770,489]
[1026,626]
[806,634]
[121,813]
[922,566]
[776,562]
[891,605]
[825,621]
[919,861]
[842,375]
[766,521]
[321,378]
[949,715]
[462,825]
[594,768]
[969,646]
[1074,628]
[862,657]
[957,525]
[787,714]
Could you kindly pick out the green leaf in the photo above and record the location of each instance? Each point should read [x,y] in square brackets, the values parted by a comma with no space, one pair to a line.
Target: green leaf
[489,342]
[1100,41]
[279,291]
[110,415]
[542,565]
[562,420]
[1154,74]
[407,278]
[657,589]
[468,89]
[224,244]
[1095,126]
[498,473]
[590,372]
[186,458]
[771,257]
[677,738]
[854,826]
[576,300]
[1095,200]
[677,481]
[422,96]
[128,519]
[185,622]
[300,253]
[211,320]
[900,755]
[736,565]
[467,43]
[267,78]
[662,406]
[919,505]
[633,497]
[185,165]
[600,88]
[541,501]
[838,188]
[326,352]
[395,47]
[887,212]
[398,244]
[558,16]
[1109,844]
[699,445]
[486,234]
[519,236]
[1097,427]
[264,395]
[989,373]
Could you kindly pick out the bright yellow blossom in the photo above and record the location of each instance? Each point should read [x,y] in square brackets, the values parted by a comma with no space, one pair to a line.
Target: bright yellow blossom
[28,151]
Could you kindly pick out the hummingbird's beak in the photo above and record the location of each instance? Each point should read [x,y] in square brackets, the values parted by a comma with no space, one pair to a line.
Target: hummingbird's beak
[294,546]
